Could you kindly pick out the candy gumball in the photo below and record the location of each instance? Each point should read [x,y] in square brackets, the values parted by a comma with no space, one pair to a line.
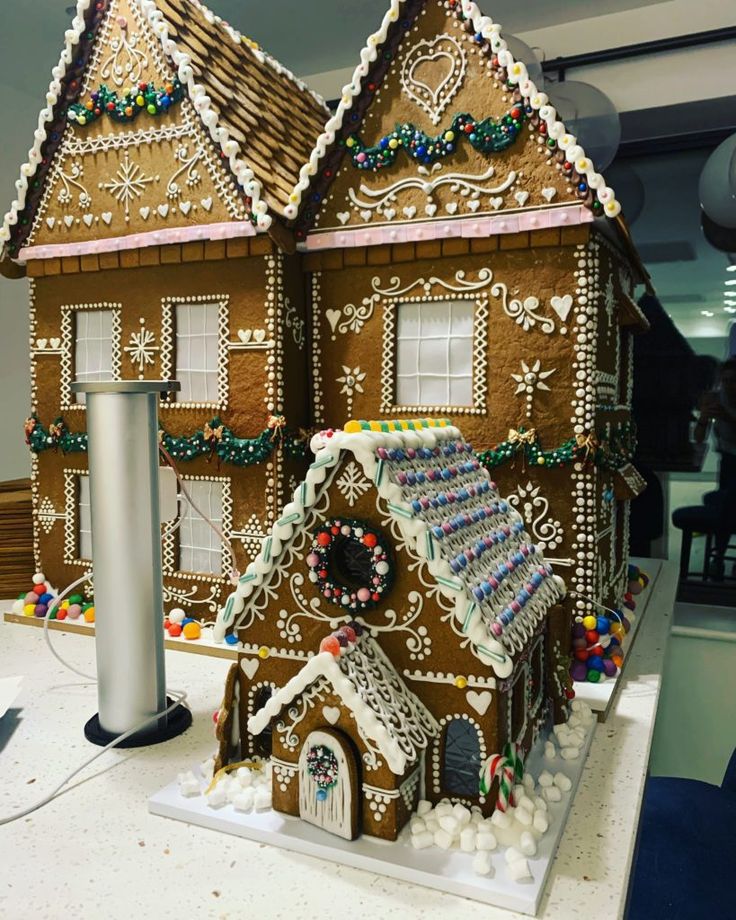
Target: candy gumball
[349,633]
[192,630]
[581,654]
[578,671]
[595,662]
[38,590]
[603,625]
[635,587]
[61,613]
[29,610]
[39,578]
[597,651]
[593,676]
[174,630]
[609,668]
[578,631]
[330,644]
[74,611]
[627,624]
[589,622]
[40,610]
[89,615]
[579,643]
[176,615]
[592,637]
[30,598]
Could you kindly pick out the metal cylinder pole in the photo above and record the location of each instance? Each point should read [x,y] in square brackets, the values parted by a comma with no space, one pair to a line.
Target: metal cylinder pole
[122,429]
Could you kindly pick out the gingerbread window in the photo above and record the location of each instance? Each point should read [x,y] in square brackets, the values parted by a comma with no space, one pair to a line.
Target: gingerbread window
[200,549]
[461,765]
[197,347]
[84,519]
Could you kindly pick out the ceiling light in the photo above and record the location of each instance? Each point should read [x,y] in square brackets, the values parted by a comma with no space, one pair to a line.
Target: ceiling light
[730,309]
[732,281]
[731,268]
[706,313]
[730,303]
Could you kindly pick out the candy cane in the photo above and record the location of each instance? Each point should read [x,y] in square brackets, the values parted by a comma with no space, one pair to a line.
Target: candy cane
[508,767]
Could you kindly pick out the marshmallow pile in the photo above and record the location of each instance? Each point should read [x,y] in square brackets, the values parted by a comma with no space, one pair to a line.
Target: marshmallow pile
[570,735]
[246,789]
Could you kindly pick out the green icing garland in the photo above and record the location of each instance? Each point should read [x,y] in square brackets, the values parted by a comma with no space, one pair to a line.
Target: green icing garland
[486,136]
[144,97]
[214,440]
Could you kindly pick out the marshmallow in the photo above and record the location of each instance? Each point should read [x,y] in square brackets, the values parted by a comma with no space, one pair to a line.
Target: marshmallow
[467,840]
[545,779]
[550,751]
[539,803]
[442,839]
[552,794]
[512,855]
[482,862]
[444,808]
[462,815]
[422,841]
[450,824]
[563,783]
[417,825]
[218,797]
[244,800]
[526,803]
[423,807]
[262,799]
[519,870]
[529,783]
[245,777]
[485,840]
[528,844]
[500,819]
[570,753]
[541,824]
[519,791]
[523,816]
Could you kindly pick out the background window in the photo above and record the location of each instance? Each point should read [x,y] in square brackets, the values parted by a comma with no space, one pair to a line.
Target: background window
[434,360]
[197,339]
[92,347]
[200,549]
[461,772]
[84,519]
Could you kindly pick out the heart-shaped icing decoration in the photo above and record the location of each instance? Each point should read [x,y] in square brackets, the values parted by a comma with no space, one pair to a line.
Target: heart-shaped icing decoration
[389,213]
[144,212]
[106,217]
[259,335]
[343,217]
[549,193]
[55,343]
[207,203]
[562,306]
[366,215]
[163,210]
[451,208]
[496,203]
[479,701]
[245,335]
[89,219]
[333,318]
[331,714]
[50,222]
[68,220]
[409,212]
[473,204]
[521,198]
[185,207]
[41,343]
[432,74]
[431,209]
[250,666]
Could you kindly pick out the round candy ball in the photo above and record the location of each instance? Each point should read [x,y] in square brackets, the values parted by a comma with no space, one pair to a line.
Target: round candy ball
[593,676]
[592,636]
[46,597]
[185,621]
[578,671]
[578,631]
[589,622]
[38,590]
[28,610]
[579,643]
[192,630]
[595,662]
[61,613]
[89,615]
[76,599]
[174,630]
[609,668]
[231,639]
[330,644]
[40,610]
[635,587]
[176,615]
[603,625]
[597,650]
[321,795]
[30,598]
[364,594]
[627,624]
[581,654]
[39,578]
[74,611]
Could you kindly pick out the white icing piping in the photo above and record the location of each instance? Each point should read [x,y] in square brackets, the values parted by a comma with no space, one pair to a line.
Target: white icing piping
[46,115]
[517,73]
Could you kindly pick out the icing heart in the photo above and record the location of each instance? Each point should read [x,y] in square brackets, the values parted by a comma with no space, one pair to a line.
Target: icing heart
[333,317]
[473,204]
[250,666]
[479,701]
[144,212]
[259,335]
[389,213]
[549,193]
[163,209]
[433,87]
[107,217]
[562,306]
[41,343]
[451,208]
[207,203]
[331,714]
[55,343]
[409,212]
[88,219]
[50,221]
[245,335]
[185,207]
[521,198]
[68,220]
[496,203]
[431,209]
[366,215]
[343,217]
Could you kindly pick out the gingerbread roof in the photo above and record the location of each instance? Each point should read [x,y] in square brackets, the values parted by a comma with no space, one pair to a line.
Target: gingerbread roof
[375,61]
[449,515]
[262,119]
[387,713]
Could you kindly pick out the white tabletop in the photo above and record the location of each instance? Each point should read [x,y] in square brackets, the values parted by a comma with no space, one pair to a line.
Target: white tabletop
[96,852]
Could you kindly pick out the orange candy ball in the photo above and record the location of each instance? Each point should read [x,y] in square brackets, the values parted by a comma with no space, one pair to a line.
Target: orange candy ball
[330,644]
[174,630]
[89,614]
[191,630]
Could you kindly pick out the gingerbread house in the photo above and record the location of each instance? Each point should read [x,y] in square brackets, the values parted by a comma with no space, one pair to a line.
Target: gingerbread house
[396,629]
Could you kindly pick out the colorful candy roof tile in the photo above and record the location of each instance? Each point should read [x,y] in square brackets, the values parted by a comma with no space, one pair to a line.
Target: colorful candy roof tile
[388,715]
[243,96]
[449,514]
[374,62]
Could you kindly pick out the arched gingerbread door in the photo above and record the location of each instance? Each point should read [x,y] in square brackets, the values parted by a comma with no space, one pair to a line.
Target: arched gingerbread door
[329,784]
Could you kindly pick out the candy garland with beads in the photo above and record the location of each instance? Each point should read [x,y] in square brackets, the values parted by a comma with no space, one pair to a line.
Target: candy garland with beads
[321,569]
[144,97]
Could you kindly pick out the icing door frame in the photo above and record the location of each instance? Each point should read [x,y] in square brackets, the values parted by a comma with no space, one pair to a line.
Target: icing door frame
[338,813]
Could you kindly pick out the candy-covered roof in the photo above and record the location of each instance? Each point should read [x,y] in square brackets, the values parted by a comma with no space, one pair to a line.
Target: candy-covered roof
[243,96]
[386,712]
[449,514]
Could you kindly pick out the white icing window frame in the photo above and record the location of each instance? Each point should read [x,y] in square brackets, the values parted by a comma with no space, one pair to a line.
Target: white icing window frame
[436,751]
[168,347]
[68,324]
[170,544]
[72,555]
[389,405]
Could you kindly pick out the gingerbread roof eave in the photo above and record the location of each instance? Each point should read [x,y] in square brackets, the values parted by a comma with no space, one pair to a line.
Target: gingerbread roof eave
[265,177]
[357,96]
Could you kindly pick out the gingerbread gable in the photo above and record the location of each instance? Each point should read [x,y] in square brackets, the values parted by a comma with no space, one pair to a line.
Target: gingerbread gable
[160,119]
[386,712]
[440,124]
[448,515]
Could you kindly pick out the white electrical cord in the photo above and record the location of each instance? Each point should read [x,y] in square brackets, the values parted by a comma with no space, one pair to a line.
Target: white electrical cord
[180,697]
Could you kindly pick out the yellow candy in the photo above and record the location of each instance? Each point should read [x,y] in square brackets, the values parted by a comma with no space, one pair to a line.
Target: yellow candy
[352,427]
[139,100]
[393,143]
[461,683]
[541,461]
[29,610]
[192,631]
[449,136]
[65,605]
[349,142]
[589,622]
[89,614]
[263,652]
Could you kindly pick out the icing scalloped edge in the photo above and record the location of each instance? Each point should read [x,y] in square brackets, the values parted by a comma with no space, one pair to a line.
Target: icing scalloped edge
[517,73]
[363,446]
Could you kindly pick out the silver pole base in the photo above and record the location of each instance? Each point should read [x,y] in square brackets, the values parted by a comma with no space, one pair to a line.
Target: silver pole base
[167,727]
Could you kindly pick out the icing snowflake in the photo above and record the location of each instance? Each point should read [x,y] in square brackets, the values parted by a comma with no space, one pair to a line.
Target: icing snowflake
[529,380]
[352,484]
[351,380]
[128,183]
[141,349]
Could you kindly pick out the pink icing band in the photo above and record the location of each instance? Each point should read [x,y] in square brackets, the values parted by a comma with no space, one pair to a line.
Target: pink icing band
[471,227]
[224,231]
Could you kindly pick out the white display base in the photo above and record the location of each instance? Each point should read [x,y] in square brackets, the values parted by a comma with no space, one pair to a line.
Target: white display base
[449,871]
[600,696]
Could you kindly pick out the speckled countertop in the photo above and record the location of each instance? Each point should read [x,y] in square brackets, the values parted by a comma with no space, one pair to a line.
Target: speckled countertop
[96,852]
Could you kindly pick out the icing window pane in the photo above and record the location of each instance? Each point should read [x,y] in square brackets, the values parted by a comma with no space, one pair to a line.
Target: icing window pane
[197,338]
[434,353]
[84,520]
[461,770]
[200,549]
[93,347]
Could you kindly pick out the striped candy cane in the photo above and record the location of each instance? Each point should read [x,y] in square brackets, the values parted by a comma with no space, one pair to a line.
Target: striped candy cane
[509,768]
